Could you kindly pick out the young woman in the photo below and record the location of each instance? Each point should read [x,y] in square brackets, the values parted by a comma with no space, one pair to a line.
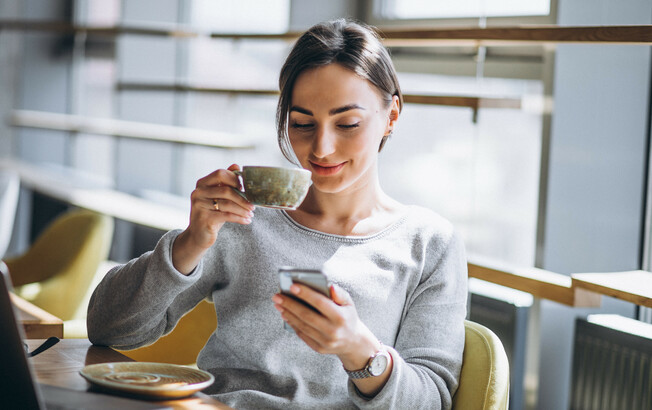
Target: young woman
[392,335]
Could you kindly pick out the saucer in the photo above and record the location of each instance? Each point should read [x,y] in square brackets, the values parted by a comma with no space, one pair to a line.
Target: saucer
[152,380]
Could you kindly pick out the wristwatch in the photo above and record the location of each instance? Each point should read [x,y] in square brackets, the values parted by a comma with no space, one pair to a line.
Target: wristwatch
[375,366]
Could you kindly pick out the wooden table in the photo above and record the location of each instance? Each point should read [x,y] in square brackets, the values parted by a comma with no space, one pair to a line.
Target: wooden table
[632,286]
[38,323]
[60,366]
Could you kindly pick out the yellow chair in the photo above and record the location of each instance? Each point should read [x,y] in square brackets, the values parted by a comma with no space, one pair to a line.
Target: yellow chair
[56,272]
[484,381]
[183,343]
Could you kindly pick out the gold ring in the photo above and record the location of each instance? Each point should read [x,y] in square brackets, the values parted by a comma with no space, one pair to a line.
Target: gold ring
[215,205]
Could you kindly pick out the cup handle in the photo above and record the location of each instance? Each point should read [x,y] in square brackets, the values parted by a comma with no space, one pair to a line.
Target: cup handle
[237,191]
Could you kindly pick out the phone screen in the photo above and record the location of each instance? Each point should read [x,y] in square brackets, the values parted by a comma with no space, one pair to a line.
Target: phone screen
[313,278]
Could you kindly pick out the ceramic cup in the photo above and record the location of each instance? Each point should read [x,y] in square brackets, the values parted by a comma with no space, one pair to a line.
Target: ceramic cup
[274,187]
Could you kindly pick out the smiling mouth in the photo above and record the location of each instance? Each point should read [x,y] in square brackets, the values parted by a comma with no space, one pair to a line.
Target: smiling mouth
[326,169]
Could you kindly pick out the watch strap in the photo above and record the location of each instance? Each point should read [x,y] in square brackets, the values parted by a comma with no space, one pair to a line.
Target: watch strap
[364,372]
[358,374]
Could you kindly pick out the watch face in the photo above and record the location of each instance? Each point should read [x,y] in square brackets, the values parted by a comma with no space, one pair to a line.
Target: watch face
[378,365]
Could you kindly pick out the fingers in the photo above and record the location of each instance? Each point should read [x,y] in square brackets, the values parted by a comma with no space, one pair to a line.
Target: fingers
[334,329]
[218,192]
[220,204]
[320,302]
[321,325]
[299,309]
[221,177]
[228,200]
[309,341]
[310,326]
[340,296]
[214,202]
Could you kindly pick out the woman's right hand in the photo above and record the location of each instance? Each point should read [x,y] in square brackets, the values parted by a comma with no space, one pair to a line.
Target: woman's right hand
[213,202]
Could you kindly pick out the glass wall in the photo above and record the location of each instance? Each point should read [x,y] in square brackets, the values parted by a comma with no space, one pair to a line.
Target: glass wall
[470,168]
[481,175]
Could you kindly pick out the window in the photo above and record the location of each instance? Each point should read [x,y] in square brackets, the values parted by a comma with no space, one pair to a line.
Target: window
[412,9]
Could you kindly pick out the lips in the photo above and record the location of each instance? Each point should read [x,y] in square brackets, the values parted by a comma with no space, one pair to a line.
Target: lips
[326,169]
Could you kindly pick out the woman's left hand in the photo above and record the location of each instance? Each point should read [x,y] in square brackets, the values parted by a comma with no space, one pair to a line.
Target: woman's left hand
[335,329]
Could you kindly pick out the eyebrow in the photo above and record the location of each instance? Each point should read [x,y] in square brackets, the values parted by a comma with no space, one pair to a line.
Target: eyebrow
[334,111]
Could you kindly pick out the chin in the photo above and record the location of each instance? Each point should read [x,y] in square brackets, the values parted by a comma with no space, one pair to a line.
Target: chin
[328,187]
[334,186]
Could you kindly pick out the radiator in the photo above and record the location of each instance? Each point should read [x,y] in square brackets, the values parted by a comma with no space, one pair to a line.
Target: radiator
[612,364]
[505,312]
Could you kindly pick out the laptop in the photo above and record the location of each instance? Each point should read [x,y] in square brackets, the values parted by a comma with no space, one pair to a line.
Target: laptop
[18,386]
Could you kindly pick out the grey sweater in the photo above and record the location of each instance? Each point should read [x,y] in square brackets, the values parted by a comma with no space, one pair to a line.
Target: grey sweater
[408,283]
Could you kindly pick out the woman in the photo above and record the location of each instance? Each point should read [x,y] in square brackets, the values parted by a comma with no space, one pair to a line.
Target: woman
[399,271]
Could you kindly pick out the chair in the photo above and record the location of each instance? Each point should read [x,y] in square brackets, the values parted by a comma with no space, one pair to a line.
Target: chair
[183,344]
[9,189]
[484,380]
[55,273]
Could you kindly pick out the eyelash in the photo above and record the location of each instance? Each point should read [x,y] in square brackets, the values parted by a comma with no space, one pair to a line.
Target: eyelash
[301,126]
[306,126]
[349,126]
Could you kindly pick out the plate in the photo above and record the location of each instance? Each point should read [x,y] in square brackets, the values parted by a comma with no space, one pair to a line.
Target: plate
[153,380]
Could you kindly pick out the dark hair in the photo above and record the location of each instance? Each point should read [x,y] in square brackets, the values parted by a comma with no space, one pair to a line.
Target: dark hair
[353,45]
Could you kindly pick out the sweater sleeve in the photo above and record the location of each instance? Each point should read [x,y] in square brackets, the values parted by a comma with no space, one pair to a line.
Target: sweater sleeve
[428,352]
[138,302]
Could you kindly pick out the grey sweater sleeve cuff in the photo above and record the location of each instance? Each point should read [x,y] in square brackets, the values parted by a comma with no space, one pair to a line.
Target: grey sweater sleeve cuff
[166,257]
[384,398]
[396,393]
[160,261]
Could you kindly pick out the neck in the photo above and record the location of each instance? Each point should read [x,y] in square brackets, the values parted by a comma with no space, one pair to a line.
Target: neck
[361,209]
[353,204]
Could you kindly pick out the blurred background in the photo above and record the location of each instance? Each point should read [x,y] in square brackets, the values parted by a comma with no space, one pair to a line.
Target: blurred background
[548,169]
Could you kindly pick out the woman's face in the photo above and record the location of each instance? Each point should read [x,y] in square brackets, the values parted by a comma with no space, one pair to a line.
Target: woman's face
[336,122]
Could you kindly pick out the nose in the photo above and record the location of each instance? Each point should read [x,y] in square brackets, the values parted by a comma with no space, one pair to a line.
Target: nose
[324,143]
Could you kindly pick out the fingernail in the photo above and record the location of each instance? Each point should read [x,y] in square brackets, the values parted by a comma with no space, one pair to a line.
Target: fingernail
[277,299]
[294,289]
[251,214]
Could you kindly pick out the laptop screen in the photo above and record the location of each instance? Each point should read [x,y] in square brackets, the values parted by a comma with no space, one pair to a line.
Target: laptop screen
[16,383]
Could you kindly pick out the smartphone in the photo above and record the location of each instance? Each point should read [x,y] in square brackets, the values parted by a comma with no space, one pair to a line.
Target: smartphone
[313,278]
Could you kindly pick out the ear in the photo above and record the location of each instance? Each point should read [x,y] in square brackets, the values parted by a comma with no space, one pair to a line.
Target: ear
[393,115]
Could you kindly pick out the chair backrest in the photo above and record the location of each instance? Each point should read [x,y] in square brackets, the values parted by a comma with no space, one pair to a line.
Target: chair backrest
[183,344]
[9,189]
[60,265]
[484,380]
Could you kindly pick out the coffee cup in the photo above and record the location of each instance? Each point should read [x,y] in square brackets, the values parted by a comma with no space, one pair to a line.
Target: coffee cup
[274,187]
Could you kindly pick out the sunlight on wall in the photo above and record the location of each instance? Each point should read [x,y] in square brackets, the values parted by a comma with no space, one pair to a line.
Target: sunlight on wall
[250,16]
[484,176]
[465,8]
